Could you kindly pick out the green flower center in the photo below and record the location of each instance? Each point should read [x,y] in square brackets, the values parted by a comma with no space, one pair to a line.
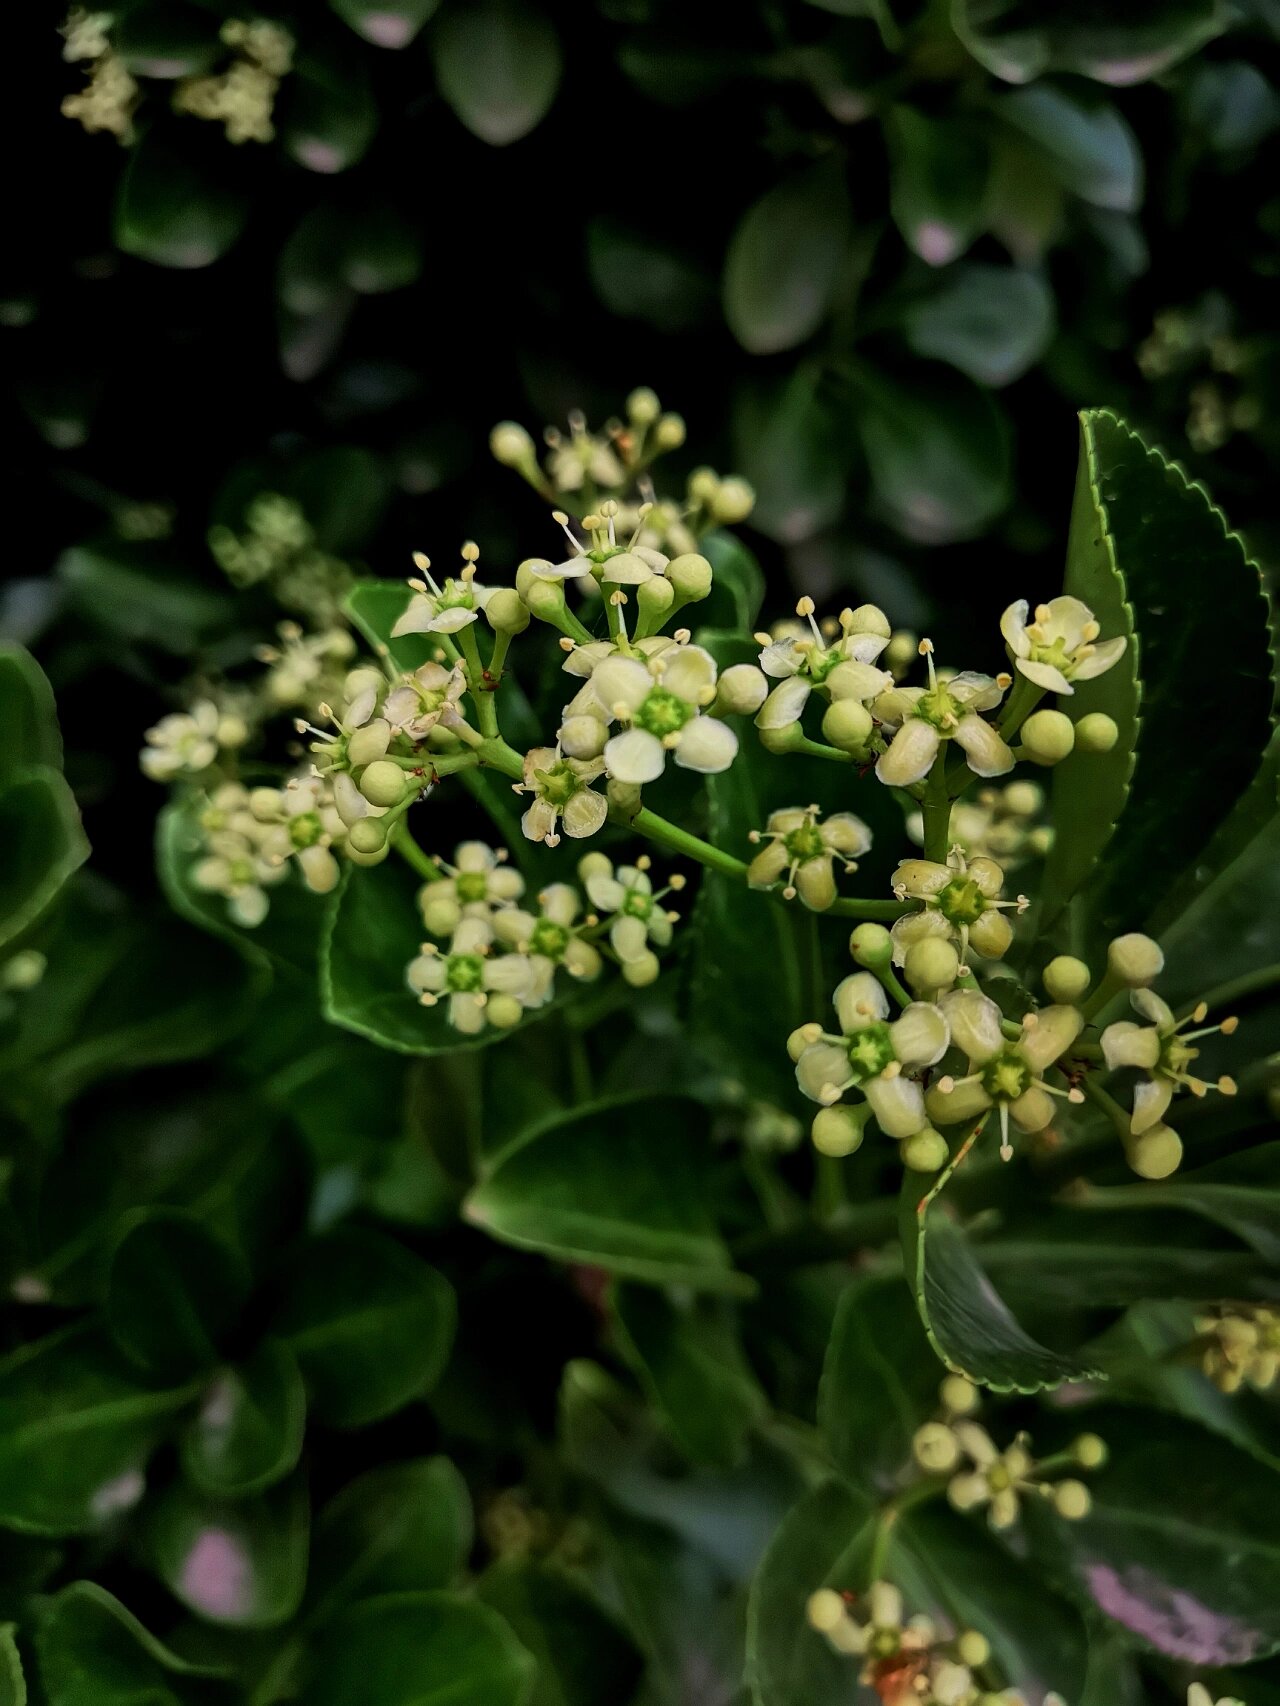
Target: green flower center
[999,1479]
[939,708]
[305,829]
[962,901]
[805,843]
[664,712]
[1006,1077]
[549,939]
[464,973]
[818,664]
[557,785]
[1175,1055]
[456,595]
[884,1643]
[1056,654]
[241,873]
[636,904]
[870,1051]
[471,886]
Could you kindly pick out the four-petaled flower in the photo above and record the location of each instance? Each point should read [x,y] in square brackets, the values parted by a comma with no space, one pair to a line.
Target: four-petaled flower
[186,743]
[1162,1050]
[925,717]
[1007,1075]
[473,978]
[1060,646]
[562,793]
[550,938]
[870,1054]
[960,902]
[801,662]
[663,700]
[479,881]
[424,700]
[626,895]
[443,609]
[803,847]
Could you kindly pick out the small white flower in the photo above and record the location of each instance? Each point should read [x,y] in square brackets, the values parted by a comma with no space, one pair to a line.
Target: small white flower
[1007,1075]
[626,895]
[1060,646]
[443,609]
[802,661]
[562,794]
[550,938]
[803,847]
[424,700]
[183,744]
[1161,1049]
[662,699]
[469,975]
[960,901]
[944,711]
[870,1054]
[478,882]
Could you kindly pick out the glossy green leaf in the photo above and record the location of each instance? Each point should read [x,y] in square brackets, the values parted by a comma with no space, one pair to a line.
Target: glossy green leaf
[791,448]
[406,1527]
[382,251]
[689,1359]
[1179,1547]
[1249,1210]
[640,275]
[498,65]
[76,1430]
[622,1185]
[13,1682]
[420,1649]
[1090,789]
[44,843]
[386,23]
[1119,44]
[28,716]
[370,1325]
[1083,142]
[247,1432]
[784,259]
[737,592]
[174,208]
[140,593]
[332,114]
[991,322]
[92,1651]
[584,1657]
[938,184]
[968,1322]
[166,39]
[240,1564]
[879,1383]
[174,1292]
[824,1542]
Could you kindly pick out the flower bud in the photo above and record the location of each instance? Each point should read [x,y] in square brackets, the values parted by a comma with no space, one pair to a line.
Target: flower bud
[583,737]
[900,654]
[847,724]
[926,1152]
[959,1396]
[655,597]
[691,576]
[973,1649]
[382,783]
[643,407]
[825,1610]
[623,797]
[361,681]
[1024,799]
[367,836]
[350,803]
[991,935]
[871,945]
[1156,1154]
[870,619]
[839,1131]
[1071,1500]
[264,804]
[781,739]
[1048,737]
[1097,732]
[503,1011]
[802,1038]
[506,612]
[1089,1451]
[594,865]
[733,502]
[511,445]
[931,963]
[545,599]
[369,743]
[1067,979]
[741,690]
[936,1448]
[668,432]
[358,858]
[704,483]
[441,913]
[1135,960]
[641,971]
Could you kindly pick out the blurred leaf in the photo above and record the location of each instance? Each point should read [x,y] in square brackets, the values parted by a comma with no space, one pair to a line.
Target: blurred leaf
[879,1383]
[247,1432]
[420,1649]
[784,259]
[1086,144]
[790,447]
[166,39]
[385,23]
[737,593]
[174,208]
[498,65]
[332,116]
[1251,1211]
[583,1656]
[243,1564]
[13,1683]
[92,1651]
[139,593]
[1119,44]
[174,1293]
[370,1325]
[44,843]
[689,1360]
[382,251]
[28,716]
[642,277]
[938,184]
[400,1528]
[1232,103]
[623,1185]
[992,323]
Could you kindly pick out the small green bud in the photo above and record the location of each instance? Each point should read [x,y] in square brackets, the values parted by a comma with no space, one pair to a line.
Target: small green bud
[781,739]
[734,501]
[641,971]
[643,407]
[264,803]
[358,858]
[545,599]
[1048,737]
[1135,960]
[973,1649]
[24,971]
[704,483]
[931,963]
[655,596]
[926,1152]
[503,1011]
[1023,799]
[691,576]
[871,945]
[511,445]
[838,1131]
[741,690]
[506,612]
[1097,732]
[870,619]
[1156,1154]
[936,1448]
[367,836]
[1089,1451]
[382,783]
[960,1397]
[991,935]
[1067,979]
[369,743]
[1071,1500]
[902,651]
[594,865]
[825,1610]
[847,724]
[527,574]
[668,432]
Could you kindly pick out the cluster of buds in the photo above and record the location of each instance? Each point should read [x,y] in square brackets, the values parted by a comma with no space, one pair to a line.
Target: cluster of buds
[982,1477]
[1199,1695]
[109,99]
[252,837]
[911,1662]
[242,97]
[1239,1344]
[278,548]
[187,745]
[999,823]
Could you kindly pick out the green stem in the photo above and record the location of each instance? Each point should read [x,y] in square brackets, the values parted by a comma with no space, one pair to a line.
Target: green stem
[937,811]
[498,657]
[884,911]
[408,849]
[1115,1113]
[1102,996]
[896,1508]
[830,1189]
[1019,706]
[819,749]
[1240,988]
[670,835]
[889,979]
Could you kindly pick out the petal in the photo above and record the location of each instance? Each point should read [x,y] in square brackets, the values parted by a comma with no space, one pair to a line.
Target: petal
[816,884]
[921,1035]
[1151,1099]
[417,617]
[822,1066]
[585,813]
[920,877]
[560,900]
[451,620]
[426,973]
[975,1023]
[898,1104]
[915,927]
[1013,625]
[513,926]
[844,833]
[1101,658]
[1127,1044]
[768,865]
[629,938]
[1045,675]
[509,974]
[688,671]
[626,569]
[859,1001]
[706,745]
[636,756]
[951,1107]
[979,692]
[894,707]
[621,681]
[466,1013]
[784,704]
[987,753]
[1068,619]
[910,755]
[605,892]
[781,659]
[471,936]
[1053,1033]
[1154,1009]
[857,681]
[539,821]
[1033,1110]
[861,648]
[885,1605]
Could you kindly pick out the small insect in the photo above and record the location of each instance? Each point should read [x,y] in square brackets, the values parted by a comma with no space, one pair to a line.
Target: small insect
[898,1678]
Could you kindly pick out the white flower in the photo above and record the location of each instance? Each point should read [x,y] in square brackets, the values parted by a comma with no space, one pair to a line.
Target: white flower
[1161,1049]
[803,848]
[241,872]
[478,881]
[303,668]
[186,743]
[1060,646]
[562,794]
[640,922]
[870,1054]
[944,711]
[801,662]
[1007,1075]
[1198,1695]
[443,609]
[960,902]
[662,698]
[426,698]
[473,978]
[553,937]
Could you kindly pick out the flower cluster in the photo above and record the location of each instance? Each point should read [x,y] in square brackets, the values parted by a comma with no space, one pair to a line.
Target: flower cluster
[241,98]
[278,549]
[252,836]
[1239,1345]
[109,99]
[999,823]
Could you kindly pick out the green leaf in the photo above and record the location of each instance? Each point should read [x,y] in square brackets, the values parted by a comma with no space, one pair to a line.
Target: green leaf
[243,1564]
[1169,541]
[247,1433]
[44,843]
[28,716]
[784,259]
[737,592]
[92,1651]
[166,39]
[406,1527]
[332,114]
[370,1325]
[688,1357]
[498,65]
[583,1657]
[76,1430]
[13,1682]
[176,206]
[938,450]
[385,23]
[420,1649]
[993,323]
[938,183]
[141,593]
[879,1383]
[968,1323]
[1251,1211]
[624,1185]
[1118,44]
[1179,1547]
[1090,788]
[174,1293]
[823,1542]
[790,447]
[639,274]
[1083,142]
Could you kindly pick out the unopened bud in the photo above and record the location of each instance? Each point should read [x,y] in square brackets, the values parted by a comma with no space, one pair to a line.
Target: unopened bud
[825,1610]
[1135,960]
[642,970]
[847,724]
[869,619]
[382,783]
[871,945]
[1156,1154]
[936,1448]
[503,1011]
[781,739]
[594,865]
[367,836]
[1089,1451]
[973,1649]
[991,935]
[704,483]
[959,1396]
[691,576]
[1023,799]
[655,596]
[839,1131]
[901,653]
[511,445]
[506,612]
[733,502]
[931,963]
[741,690]
[358,858]
[1071,1500]
[366,745]
[1097,732]
[926,1151]
[1067,979]
[545,599]
[668,432]
[1048,737]
[643,407]
[583,737]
